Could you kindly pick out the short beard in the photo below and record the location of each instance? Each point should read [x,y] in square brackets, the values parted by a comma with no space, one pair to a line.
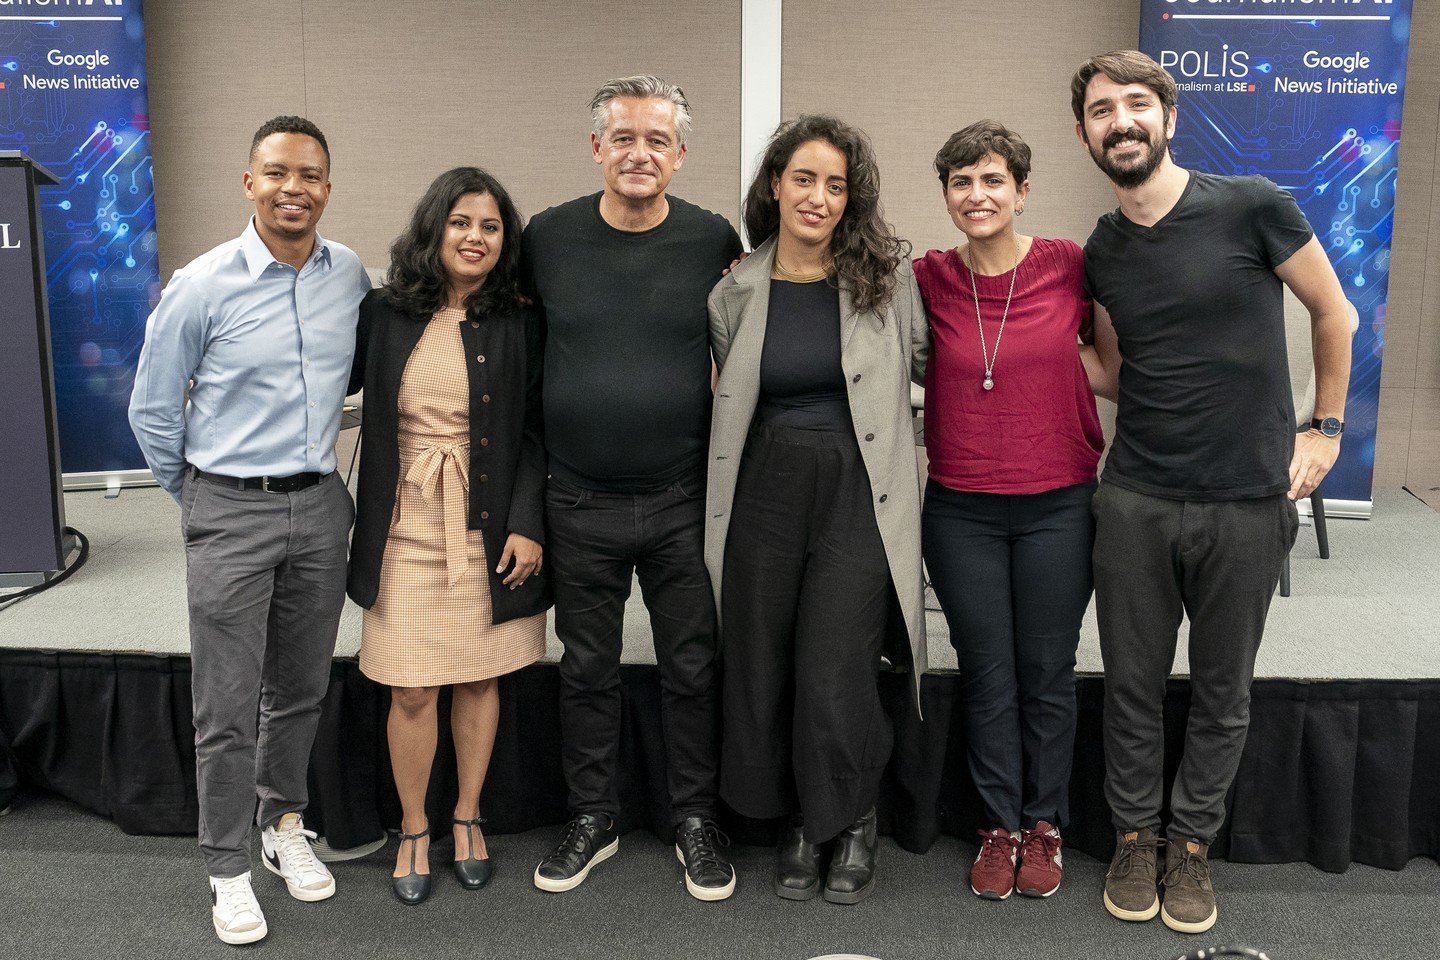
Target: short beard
[1130,177]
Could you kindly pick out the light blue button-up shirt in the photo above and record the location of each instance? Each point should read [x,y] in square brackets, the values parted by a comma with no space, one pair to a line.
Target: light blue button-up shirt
[265,352]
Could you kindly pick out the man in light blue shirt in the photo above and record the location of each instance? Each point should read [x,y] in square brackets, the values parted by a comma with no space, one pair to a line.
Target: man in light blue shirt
[236,408]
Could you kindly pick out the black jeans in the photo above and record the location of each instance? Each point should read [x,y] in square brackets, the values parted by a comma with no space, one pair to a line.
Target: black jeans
[805,604]
[596,541]
[1012,573]
[1155,559]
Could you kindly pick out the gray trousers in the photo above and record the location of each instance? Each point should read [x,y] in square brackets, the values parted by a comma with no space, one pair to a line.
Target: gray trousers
[1218,563]
[265,579]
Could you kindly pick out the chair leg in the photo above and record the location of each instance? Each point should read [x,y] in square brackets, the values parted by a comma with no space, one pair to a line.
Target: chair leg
[1317,513]
[1285,577]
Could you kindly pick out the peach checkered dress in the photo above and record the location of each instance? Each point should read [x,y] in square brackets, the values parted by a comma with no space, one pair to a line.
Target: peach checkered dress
[430,623]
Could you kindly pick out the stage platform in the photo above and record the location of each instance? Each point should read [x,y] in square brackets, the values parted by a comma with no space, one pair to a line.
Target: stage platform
[1342,764]
[1369,612]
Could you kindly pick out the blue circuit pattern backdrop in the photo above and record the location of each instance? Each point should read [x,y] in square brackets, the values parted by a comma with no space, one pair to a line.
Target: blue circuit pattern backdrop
[72,96]
[1307,93]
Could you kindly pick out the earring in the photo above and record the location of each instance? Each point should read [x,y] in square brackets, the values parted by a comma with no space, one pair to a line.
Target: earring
[1019,211]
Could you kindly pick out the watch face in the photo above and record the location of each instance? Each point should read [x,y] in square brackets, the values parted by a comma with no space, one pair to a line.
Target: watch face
[1330,427]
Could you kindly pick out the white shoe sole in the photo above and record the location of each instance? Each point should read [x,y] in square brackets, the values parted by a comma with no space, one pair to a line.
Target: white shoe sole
[561,886]
[1038,894]
[1134,916]
[992,895]
[1180,926]
[299,893]
[708,894]
[238,937]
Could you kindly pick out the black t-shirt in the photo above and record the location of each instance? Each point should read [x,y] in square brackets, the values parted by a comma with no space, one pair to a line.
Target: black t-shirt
[802,383]
[627,350]
[1205,411]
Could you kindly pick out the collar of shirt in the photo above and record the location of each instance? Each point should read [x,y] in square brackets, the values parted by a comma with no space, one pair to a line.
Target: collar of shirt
[258,257]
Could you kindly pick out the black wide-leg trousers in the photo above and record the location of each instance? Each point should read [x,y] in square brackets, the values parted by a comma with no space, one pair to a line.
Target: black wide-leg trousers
[804,607]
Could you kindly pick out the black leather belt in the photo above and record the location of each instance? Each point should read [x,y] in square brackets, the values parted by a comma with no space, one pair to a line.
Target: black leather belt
[290,484]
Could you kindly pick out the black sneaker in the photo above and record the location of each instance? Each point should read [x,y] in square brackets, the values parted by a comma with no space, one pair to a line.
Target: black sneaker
[708,875]
[588,840]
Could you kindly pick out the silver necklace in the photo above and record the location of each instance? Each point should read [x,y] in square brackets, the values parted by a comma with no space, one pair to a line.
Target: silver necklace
[987,355]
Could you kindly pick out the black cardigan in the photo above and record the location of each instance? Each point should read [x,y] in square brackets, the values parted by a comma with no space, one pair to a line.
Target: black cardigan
[503,362]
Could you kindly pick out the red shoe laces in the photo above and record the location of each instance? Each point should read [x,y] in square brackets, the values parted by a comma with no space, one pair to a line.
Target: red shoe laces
[1049,845]
[998,845]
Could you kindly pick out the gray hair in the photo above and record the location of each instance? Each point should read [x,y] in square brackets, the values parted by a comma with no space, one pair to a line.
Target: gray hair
[647,87]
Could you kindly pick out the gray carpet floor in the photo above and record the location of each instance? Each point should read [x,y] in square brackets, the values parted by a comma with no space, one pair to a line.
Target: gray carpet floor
[1367,612]
[76,888]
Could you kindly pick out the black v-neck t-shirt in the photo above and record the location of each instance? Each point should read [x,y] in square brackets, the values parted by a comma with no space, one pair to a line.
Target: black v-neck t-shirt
[1205,411]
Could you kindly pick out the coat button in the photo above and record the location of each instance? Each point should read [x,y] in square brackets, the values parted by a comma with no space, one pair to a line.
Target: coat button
[474,325]
[855,379]
[882,496]
[480,359]
[486,479]
[869,436]
[484,514]
[484,441]
[485,398]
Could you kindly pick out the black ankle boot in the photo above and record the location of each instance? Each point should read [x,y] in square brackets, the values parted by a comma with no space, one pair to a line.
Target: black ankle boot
[797,864]
[852,866]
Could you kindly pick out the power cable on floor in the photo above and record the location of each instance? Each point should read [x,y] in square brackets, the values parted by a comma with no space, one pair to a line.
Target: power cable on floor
[8,599]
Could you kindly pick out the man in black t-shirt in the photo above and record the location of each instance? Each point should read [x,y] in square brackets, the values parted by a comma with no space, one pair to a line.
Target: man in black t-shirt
[1195,511]
[622,276]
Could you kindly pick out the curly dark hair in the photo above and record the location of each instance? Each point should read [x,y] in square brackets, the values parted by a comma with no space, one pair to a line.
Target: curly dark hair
[864,247]
[288,124]
[416,281]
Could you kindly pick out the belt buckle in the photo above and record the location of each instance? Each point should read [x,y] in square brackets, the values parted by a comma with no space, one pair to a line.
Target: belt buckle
[265,484]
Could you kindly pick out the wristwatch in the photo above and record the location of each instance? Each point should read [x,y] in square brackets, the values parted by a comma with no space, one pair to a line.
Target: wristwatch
[1329,426]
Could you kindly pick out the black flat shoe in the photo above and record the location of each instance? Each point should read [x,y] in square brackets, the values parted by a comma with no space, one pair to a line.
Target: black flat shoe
[414,887]
[852,867]
[797,864]
[472,872]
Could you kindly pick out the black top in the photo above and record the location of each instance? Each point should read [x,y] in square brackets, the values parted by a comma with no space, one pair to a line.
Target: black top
[1205,411]
[802,384]
[627,348]
[504,411]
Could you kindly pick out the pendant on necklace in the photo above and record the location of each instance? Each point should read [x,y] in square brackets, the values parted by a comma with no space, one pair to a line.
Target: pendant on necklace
[989,384]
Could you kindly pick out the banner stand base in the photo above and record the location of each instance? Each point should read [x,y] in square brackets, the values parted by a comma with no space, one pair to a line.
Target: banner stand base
[108,480]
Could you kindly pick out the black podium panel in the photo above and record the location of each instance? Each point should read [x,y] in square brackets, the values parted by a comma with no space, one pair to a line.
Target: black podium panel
[31,506]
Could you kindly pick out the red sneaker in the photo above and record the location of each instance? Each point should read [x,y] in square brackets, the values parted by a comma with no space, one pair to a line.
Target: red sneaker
[993,874]
[1041,865]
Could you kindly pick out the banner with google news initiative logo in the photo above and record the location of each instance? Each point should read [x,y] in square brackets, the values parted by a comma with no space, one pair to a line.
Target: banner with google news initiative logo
[73,97]
[1309,94]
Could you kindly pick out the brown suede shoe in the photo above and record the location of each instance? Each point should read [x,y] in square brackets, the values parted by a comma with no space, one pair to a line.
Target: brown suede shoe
[1189,897]
[1130,890]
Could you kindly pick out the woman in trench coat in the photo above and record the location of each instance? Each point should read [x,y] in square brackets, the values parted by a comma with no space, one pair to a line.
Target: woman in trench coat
[812,527]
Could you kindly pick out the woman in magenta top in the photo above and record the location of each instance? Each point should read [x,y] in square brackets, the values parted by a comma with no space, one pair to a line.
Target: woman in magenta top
[1013,440]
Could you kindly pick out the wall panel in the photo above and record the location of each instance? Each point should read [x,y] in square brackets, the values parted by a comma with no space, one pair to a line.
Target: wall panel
[405,90]
[413,89]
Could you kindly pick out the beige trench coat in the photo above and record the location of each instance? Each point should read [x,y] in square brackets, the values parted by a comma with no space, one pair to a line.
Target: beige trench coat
[879,359]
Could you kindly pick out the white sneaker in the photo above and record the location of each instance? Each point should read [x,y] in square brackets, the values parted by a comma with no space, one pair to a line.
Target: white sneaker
[286,851]
[236,913]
